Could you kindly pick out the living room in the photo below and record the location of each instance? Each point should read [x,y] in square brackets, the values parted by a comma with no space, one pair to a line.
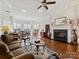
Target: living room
[39,29]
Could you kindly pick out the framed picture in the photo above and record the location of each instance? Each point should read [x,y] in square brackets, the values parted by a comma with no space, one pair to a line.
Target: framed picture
[61,21]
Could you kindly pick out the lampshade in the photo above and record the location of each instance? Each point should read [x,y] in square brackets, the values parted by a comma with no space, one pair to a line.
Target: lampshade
[5,28]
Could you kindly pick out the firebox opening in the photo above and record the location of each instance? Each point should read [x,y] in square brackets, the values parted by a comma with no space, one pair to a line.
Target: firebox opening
[61,35]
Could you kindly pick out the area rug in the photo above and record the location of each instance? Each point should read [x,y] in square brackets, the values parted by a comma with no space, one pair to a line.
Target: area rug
[50,54]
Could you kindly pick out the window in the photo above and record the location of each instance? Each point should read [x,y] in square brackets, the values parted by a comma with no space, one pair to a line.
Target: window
[14,25]
[18,26]
[27,26]
[36,26]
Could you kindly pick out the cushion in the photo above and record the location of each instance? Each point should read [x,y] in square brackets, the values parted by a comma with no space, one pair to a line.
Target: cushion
[18,51]
[14,46]
[9,39]
[13,42]
[6,38]
[25,56]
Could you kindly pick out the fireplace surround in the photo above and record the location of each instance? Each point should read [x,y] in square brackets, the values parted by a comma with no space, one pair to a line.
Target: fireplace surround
[62,28]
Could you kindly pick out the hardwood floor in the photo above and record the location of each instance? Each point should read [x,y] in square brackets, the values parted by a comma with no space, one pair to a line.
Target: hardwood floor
[66,50]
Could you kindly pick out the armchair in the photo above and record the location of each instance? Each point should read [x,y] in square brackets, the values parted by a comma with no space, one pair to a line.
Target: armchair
[6,54]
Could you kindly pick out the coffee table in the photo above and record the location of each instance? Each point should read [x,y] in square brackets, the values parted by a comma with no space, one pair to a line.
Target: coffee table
[43,53]
[37,45]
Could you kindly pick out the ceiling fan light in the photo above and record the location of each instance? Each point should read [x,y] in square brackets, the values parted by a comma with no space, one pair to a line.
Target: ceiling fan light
[23,10]
[45,3]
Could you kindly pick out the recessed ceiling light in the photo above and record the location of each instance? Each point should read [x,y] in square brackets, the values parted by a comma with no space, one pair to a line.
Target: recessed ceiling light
[9,5]
[23,10]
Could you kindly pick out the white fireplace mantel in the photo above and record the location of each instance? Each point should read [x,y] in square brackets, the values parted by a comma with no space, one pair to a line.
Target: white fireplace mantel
[63,27]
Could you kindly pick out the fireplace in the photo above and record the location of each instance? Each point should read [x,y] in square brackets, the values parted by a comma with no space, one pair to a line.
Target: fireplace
[60,35]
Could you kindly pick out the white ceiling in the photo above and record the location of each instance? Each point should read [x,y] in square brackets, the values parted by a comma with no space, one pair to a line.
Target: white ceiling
[15,6]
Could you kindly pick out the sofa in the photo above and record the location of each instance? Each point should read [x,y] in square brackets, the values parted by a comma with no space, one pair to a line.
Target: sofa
[11,49]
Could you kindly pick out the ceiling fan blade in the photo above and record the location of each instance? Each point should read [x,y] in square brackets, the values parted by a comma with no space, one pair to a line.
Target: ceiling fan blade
[51,2]
[44,1]
[39,7]
[46,7]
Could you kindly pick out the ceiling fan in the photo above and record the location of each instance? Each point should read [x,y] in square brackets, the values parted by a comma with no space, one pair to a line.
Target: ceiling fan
[44,4]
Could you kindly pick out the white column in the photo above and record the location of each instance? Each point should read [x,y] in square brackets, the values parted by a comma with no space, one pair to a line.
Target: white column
[51,28]
[31,32]
[69,34]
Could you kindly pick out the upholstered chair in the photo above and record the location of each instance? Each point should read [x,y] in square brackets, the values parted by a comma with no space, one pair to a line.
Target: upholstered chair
[6,54]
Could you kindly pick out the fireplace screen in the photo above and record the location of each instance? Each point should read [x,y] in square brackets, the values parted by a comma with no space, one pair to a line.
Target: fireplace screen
[60,35]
